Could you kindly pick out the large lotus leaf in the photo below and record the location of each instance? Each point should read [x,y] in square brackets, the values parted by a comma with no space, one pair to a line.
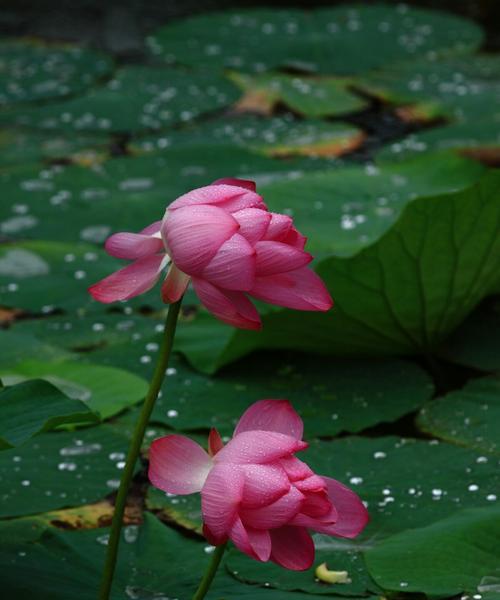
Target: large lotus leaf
[468,417]
[456,555]
[330,396]
[56,470]
[124,194]
[154,563]
[315,97]
[347,39]
[35,406]
[476,343]
[25,147]
[351,561]
[477,137]
[137,98]
[105,390]
[32,71]
[403,294]
[281,135]
[344,210]
[461,88]
[42,275]
[16,347]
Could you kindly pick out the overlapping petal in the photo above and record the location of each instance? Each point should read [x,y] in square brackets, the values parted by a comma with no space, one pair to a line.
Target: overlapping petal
[254,542]
[220,499]
[194,234]
[175,285]
[178,465]
[292,548]
[234,308]
[134,279]
[258,447]
[271,415]
[253,223]
[264,484]
[229,196]
[233,266]
[132,245]
[274,515]
[301,289]
[278,257]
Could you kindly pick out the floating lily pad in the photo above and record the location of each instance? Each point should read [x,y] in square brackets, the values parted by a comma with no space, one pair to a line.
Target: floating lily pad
[476,343]
[56,470]
[456,555]
[145,570]
[23,147]
[458,88]
[34,407]
[468,417]
[42,275]
[360,583]
[315,97]
[476,137]
[123,194]
[31,71]
[104,390]
[16,347]
[276,136]
[331,396]
[347,39]
[137,98]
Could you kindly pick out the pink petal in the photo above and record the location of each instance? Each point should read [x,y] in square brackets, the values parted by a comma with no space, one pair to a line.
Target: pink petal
[277,514]
[253,223]
[178,465]
[244,183]
[301,289]
[292,548]
[321,524]
[254,542]
[233,266]
[152,229]
[316,505]
[276,257]
[215,442]
[132,245]
[220,498]
[264,484]
[295,468]
[315,483]
[295,238]
[234,308]
[175,285]
[194,234]
[352,514]
[259,447]
[135,279]
[279,227]
[271,415]
[230,197]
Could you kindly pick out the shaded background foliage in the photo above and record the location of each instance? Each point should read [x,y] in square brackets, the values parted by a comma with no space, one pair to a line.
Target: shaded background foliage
[398,386]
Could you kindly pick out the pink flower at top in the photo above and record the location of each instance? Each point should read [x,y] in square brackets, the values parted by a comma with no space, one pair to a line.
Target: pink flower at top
[254,491]
[224,240]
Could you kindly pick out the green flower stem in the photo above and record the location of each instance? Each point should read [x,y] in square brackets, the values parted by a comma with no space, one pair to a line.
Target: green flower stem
[210,572]
[135,448]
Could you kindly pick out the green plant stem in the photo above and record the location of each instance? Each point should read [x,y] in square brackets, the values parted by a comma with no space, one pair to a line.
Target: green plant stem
[135,448]
[210,572]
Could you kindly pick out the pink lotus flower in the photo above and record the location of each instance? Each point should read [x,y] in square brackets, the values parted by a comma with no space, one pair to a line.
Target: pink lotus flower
[254,491]
[223,239]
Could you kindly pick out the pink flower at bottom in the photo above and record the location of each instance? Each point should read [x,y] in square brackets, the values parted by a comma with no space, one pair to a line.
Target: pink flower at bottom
[223,239]
[254,491]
